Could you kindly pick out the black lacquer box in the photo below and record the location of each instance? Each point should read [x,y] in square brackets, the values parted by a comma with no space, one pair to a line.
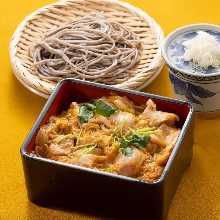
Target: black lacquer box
[55,184]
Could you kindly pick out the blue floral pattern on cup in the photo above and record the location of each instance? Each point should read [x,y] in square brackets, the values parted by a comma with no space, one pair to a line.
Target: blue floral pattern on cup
[189,90]
[190,82]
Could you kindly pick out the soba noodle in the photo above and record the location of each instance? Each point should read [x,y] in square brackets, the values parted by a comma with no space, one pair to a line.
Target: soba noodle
[91,48]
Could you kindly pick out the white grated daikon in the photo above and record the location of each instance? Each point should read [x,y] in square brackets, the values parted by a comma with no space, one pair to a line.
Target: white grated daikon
[203,50]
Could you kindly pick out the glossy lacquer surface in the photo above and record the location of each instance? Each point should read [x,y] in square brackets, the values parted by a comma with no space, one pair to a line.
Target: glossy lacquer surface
[55,184]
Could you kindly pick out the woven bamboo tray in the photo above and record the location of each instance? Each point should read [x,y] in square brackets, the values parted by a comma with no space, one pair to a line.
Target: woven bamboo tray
[51,16]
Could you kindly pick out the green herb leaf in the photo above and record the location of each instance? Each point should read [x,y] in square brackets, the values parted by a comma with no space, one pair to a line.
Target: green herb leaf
[124,147]
[90,106]
[140,141]
[124,143]
[104,108]
[86,112]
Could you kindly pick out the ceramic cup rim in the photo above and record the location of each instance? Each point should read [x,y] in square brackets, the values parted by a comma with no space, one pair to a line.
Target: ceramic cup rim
[179,31]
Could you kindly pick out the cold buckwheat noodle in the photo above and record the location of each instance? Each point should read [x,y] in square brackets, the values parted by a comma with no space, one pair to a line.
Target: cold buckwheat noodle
[91,48]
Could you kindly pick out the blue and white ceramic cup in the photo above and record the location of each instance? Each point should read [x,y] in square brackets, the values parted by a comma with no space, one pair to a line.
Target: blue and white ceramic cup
[201,88]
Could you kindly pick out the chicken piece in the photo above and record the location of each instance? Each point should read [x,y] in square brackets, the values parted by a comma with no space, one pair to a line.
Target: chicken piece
[154,118]
[52,150]
[99,120]
[86,160]
[129,165]
[91,160]
[123,118]
[44,135]
[156,139]
[169,135]
[152,148]
[122,103]
[58,150]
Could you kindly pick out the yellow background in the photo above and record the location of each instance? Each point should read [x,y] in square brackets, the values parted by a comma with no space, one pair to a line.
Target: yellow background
[198,195]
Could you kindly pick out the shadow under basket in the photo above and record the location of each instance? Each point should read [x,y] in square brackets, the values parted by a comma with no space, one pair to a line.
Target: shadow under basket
[55,184]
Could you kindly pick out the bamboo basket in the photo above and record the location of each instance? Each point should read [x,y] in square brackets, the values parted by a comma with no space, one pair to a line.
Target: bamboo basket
[53,15]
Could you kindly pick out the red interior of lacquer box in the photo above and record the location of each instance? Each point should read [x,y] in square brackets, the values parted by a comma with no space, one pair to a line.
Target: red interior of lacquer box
[72,91]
